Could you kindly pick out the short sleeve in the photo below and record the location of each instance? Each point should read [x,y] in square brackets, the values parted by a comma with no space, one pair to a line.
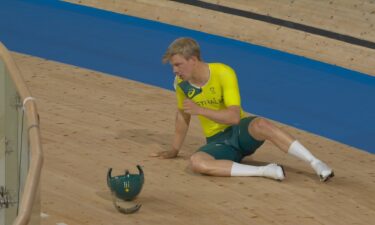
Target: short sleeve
[179,93]
[231,92]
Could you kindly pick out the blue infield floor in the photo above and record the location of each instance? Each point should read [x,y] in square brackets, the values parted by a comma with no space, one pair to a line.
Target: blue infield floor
[323,99]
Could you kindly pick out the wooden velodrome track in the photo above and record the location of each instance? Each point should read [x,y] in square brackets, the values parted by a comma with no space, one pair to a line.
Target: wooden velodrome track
[92,121]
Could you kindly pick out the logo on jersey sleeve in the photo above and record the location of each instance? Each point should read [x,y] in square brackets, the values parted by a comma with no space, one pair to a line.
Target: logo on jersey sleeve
[189,90]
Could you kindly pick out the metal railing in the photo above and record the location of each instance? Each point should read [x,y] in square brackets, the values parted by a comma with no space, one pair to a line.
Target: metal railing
[30,186]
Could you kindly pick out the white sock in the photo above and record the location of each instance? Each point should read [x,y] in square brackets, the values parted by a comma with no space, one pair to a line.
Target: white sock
[245,170]
[298,150]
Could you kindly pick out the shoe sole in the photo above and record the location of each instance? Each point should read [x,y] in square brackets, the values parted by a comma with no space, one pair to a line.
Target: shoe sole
[324,179]
[282,168]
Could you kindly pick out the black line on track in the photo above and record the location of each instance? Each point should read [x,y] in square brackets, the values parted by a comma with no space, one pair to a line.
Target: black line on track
[280,22]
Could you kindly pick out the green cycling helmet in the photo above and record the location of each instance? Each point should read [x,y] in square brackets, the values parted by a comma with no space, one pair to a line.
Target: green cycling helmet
[126,187]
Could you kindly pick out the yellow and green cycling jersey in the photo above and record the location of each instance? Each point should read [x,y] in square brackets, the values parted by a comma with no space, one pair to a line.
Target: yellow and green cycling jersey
[220,92]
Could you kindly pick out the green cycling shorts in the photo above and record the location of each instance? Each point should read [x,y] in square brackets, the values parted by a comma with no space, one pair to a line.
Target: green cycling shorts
[234,143]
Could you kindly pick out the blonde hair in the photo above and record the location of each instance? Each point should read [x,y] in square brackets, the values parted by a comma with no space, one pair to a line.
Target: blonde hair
[187,47]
